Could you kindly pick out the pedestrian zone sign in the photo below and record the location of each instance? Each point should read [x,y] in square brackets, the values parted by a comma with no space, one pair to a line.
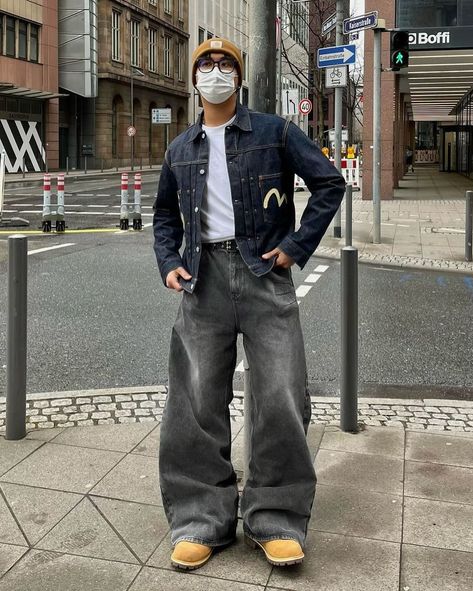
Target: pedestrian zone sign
[341,55]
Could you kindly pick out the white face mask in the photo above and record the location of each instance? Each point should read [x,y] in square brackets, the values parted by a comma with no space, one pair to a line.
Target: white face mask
[214,86]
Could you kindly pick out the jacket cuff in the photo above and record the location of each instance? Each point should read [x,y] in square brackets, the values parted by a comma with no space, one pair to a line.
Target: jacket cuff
[292,249]
[170,264]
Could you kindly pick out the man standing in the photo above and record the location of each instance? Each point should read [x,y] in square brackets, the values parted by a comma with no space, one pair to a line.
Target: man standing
[227,186]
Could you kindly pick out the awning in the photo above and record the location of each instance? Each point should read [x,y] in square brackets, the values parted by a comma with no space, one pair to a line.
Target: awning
[438,79]
[9,89]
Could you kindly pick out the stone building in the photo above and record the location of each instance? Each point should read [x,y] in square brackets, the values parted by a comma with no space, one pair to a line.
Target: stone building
[29,84]
[142,56]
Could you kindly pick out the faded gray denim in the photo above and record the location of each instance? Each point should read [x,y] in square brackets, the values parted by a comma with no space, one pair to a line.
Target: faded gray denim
[197,479]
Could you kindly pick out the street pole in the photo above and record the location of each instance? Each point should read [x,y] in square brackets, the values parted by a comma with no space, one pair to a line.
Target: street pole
[337,224]
[132,138]
[262,56]
[377,136]
[279,91]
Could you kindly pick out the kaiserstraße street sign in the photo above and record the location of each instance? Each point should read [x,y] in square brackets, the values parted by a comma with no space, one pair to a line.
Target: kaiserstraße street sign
[358,23]
[340,55]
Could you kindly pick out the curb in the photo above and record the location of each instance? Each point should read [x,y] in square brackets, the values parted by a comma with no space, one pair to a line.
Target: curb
[400,261]
[80,408]
[38,182]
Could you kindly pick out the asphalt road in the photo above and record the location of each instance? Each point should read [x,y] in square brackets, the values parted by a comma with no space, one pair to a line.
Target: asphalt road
[100,317]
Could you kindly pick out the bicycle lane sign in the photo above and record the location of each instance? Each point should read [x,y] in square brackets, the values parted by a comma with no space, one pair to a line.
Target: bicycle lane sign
[336,77]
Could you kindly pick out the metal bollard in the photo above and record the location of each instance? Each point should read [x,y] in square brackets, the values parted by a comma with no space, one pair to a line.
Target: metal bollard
[101,170]
[23,164]
[16,337]
[137,222]
[349,340]
[67,164]
[246,418]
[124,203]
[349,215]
[60,222]
[469,226]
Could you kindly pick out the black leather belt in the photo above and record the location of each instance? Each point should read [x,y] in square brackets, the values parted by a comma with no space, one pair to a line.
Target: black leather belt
[229,245]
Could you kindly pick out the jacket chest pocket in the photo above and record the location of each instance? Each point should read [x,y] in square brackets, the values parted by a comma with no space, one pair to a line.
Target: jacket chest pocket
[273,197]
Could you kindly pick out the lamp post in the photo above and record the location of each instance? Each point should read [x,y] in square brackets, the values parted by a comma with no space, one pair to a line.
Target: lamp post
[133,70]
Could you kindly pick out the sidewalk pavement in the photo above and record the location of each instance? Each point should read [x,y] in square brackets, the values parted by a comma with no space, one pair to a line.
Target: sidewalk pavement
[80,509]
[424,226]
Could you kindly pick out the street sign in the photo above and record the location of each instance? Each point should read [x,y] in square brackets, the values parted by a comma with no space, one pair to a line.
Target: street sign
[359,23]
[131,131]
[331,135]
[329,24]
[354,36]
[336,77]
[290,100]
[161,116]
[339,55]
[305,106]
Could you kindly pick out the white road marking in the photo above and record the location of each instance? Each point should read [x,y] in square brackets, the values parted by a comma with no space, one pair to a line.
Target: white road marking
[240,367]
[85,195]
[38,250]
[321,269]
[312,278]
[303,290]
[103,195]
[9,211]
[97,205]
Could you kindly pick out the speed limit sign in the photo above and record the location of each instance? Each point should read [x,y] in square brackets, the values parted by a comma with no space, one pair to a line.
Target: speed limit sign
[305,106]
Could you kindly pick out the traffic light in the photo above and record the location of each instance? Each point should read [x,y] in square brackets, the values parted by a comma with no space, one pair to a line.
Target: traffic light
[399,50]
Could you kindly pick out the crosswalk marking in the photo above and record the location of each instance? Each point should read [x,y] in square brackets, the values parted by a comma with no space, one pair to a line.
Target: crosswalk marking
[313,278]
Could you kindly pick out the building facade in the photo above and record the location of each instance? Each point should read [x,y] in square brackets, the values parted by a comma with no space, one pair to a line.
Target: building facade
[142,60]
[29,84]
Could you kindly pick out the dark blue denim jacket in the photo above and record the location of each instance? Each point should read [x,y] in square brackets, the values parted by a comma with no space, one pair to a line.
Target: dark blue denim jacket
[263,154]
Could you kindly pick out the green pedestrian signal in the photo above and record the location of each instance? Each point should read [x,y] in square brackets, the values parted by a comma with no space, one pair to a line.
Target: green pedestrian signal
[399,50]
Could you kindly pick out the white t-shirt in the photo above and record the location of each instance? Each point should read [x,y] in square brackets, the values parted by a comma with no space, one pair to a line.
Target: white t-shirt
[217,218]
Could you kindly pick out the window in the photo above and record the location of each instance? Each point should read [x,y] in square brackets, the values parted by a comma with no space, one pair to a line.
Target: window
[167,55]
[181,60]
[135,44]
[152,50]
[180,10]
[201,35]
[10,36]
[210,35]
[34,43]
[153,2]
[22,40]
[116,26]
[168,6]
[1,34]
[429,13]
[245,65]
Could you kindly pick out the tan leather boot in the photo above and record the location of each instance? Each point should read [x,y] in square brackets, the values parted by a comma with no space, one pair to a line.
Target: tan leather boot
[279,552]
[189,555]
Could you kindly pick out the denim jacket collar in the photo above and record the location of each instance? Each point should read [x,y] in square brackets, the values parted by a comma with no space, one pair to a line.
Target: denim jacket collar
[242,121]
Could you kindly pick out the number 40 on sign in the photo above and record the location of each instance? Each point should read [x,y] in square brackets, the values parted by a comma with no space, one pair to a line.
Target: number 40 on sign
[305,106]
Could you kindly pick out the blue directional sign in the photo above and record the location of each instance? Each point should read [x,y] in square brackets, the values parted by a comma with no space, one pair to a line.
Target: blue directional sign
[358,23]
[341,55]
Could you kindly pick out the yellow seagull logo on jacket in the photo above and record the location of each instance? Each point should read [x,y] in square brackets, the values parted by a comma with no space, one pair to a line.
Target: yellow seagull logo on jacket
[280,198]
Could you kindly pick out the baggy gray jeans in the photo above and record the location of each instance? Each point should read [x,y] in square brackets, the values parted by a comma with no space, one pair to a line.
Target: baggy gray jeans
[197,479]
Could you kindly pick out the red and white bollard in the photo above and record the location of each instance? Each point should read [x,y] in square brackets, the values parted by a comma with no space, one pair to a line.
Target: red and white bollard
[46,223]
[60,222]
[124,215]
[137,223]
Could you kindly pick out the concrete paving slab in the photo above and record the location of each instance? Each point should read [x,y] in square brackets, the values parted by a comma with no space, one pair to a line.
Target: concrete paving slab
[63,467]
[135,478]
[149,446]
[439,481]
[237,562]
[143,527]
[10,533]
[354,512]
[8,556]
[341,563]
[107,437]
[38,510]
[44,434]
[375,440]
[84,532]
[441,449]
[438,524]
[152,579]
[13,452]
[41,570]
[431,569]
[314,437]
[366,472]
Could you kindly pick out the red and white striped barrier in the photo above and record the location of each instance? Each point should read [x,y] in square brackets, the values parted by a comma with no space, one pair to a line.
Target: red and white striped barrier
[46,195]
[138,193]
[351,171]
[60,195]
[124,202]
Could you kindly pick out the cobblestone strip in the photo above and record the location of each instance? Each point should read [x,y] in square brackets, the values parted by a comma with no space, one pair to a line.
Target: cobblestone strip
[75,411]
[400,261]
